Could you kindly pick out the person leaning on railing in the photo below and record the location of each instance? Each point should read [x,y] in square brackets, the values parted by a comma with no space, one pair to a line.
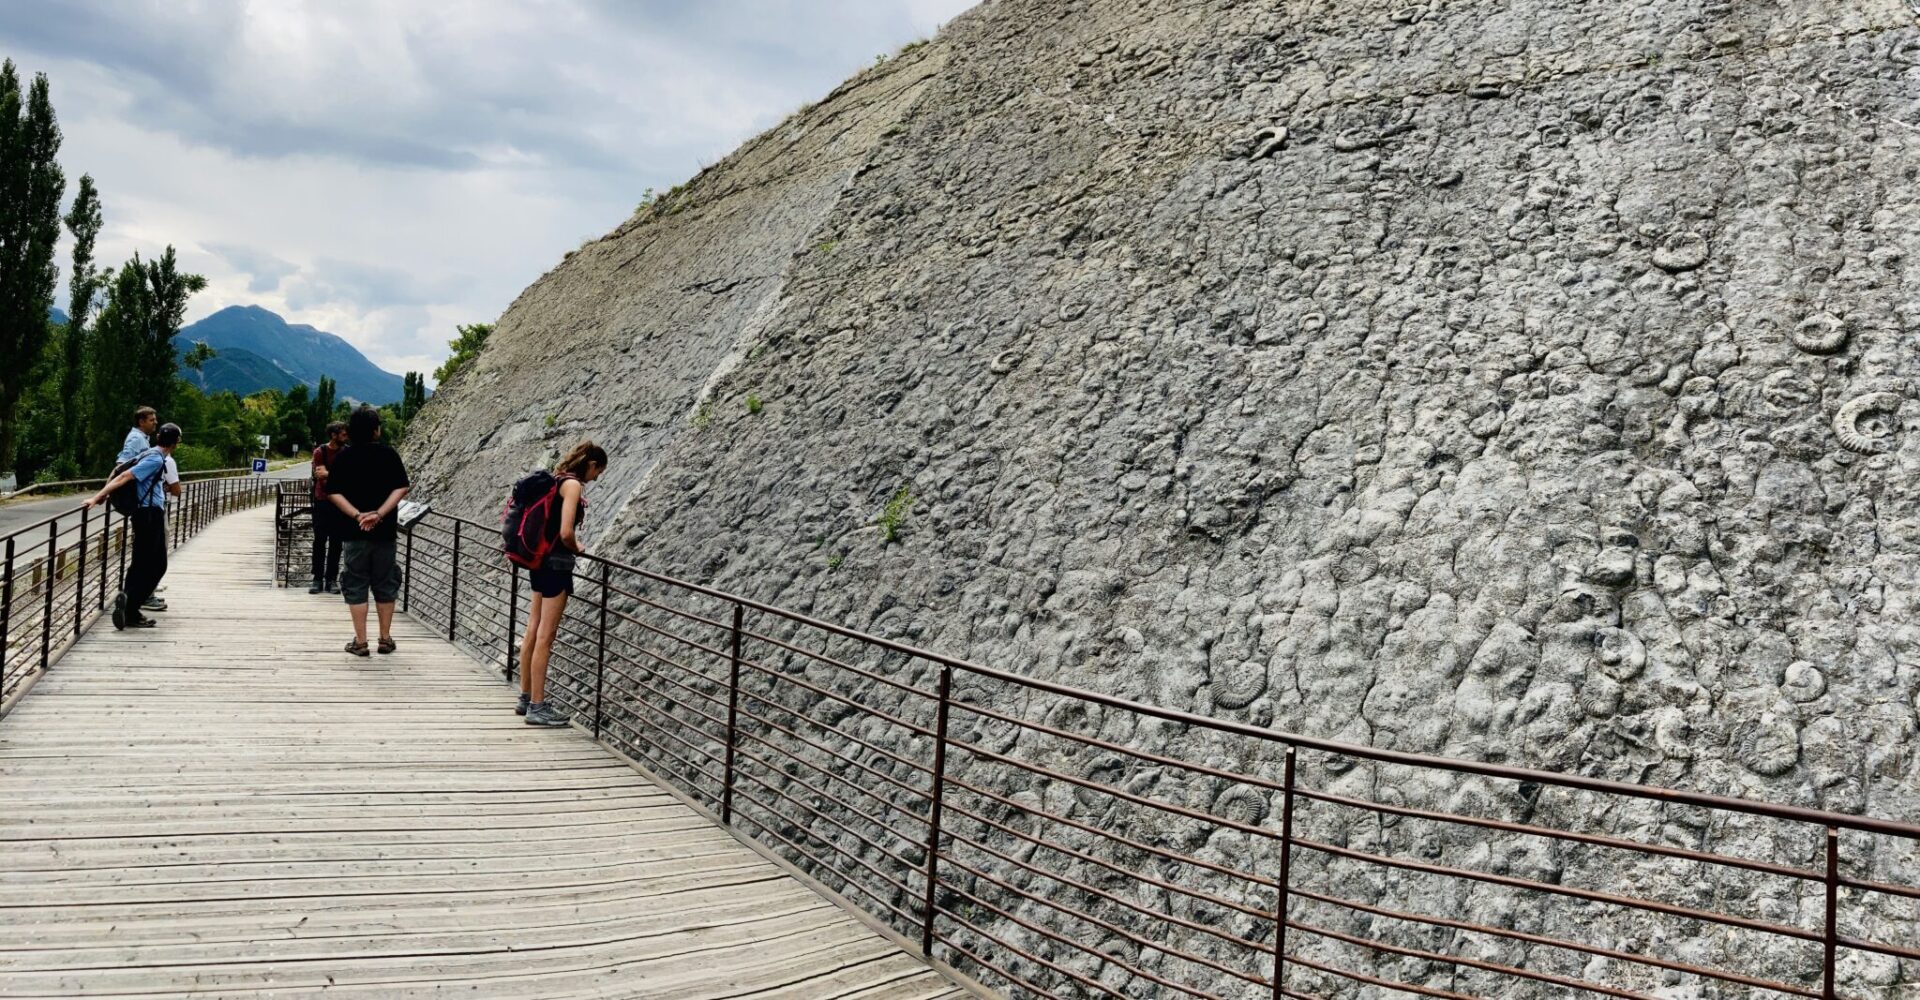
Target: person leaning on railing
[148,477]
[366,481]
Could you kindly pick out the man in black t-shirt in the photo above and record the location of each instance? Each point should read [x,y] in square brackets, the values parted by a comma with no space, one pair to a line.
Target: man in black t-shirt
[366,482]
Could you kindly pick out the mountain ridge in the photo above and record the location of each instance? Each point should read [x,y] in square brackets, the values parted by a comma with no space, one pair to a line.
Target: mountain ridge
[301,351]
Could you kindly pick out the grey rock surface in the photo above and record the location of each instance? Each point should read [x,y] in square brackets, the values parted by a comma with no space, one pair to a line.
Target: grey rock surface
[1528,382]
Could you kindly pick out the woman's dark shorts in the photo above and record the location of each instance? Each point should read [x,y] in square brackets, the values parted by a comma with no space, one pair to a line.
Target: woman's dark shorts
[555,575]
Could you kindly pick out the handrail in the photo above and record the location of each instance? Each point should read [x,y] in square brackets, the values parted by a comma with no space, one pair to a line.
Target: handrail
[56,573]
[1582,782]
[1006,826]
[185,477]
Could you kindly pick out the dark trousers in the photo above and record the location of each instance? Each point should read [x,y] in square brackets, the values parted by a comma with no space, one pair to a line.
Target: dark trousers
[148,560]
[326,545]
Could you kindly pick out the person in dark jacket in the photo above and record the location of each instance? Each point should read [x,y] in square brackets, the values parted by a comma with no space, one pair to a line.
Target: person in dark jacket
[366,482]
[326,535]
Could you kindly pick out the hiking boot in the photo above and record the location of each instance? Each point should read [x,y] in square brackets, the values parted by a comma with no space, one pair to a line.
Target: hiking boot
[316,588]
[544,714]
[333,586]
[153,604]
[142,623]
[525,699]
[120,611]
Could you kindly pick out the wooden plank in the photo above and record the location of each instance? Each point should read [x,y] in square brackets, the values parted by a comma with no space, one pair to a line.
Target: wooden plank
[229,805]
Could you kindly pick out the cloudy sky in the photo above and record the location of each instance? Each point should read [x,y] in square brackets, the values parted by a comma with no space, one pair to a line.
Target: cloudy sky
[386,170]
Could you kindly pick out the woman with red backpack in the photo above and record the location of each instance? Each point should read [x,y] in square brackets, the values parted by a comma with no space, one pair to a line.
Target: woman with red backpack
[552,578]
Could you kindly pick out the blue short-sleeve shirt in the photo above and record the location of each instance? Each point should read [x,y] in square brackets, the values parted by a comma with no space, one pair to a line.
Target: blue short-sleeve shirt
[150,479]
[135,443]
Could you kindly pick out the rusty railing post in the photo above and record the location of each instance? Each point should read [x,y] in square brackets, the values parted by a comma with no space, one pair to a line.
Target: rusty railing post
[406,576]
[6,613]
[80,579]
[513,610]
[733,716]
[1286,873]
[1831,939]
[106,548]
[933,820]
[453,584]
[53,580]
[600,658]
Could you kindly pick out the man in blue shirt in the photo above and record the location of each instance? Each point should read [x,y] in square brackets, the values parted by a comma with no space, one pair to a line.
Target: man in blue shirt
[144,421]
[148,481]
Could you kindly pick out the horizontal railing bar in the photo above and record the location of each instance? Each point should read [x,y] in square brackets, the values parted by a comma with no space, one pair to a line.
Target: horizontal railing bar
[1541,939]
[983,848]
[1022,953]
[1361,977]
[1871,886]
[1123,795]
[849,855]
[1897,951]
[1245,779]
[1462,960]
[801,714]
[668,608]
[1002,973]
[1511,881]
[870,892]
[877,713]
[850,668]
[1542,831]
[1110,928]
[1582,782]
[920,794]
[1118,838]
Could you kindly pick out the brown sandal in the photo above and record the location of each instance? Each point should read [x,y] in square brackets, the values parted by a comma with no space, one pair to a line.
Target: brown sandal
[356,647]
[387,644]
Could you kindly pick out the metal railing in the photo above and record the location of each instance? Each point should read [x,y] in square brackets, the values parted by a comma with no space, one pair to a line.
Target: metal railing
[75,485]
[58,574]
[1053,841]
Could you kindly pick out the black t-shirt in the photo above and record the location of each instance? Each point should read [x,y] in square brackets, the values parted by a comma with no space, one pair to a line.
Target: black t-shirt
[366,474]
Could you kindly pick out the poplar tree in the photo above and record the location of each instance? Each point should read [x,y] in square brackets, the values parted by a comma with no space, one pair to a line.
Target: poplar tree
[84,280]
[31,188]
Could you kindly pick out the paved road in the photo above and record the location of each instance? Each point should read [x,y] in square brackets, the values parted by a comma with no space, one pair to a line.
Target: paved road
[14,516]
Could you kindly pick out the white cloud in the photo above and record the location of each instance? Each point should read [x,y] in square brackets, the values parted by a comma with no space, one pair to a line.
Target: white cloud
[385,171]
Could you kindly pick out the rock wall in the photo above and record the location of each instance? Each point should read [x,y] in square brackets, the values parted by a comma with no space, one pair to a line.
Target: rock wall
[1527,382]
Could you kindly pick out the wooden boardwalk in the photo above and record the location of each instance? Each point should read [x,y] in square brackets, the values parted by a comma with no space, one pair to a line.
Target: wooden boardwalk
[229,805]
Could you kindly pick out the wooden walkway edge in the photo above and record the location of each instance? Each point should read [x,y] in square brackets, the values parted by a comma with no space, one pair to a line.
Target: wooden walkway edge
[231,806]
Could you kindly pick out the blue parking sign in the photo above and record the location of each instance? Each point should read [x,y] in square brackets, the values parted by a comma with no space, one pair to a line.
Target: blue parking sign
[259,466]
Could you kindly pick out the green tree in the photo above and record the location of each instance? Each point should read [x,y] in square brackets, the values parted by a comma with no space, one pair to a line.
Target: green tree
[133,355]
[197,358]
[290,419]
[320,411]
[466,347]
[413,394]
[84,280]
[31,188]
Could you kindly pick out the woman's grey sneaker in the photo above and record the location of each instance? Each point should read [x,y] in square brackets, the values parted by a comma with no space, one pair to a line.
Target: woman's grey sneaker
[521,709]
[153,604]
[542,714]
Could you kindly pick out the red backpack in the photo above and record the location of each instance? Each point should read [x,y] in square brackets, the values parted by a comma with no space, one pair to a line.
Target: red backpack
[530,524]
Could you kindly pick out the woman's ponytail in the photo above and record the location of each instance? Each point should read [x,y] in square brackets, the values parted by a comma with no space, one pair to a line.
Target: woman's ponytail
[576,461]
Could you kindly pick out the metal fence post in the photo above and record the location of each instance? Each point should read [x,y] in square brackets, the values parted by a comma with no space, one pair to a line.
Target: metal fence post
[106,548]
[933,820]
[121,580]
[733,717]
[600,659]
[513,610]
[1286,864]
[6,611]
[406,579]
[453,585]
[1831,938]
[53,578]
[80,580]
